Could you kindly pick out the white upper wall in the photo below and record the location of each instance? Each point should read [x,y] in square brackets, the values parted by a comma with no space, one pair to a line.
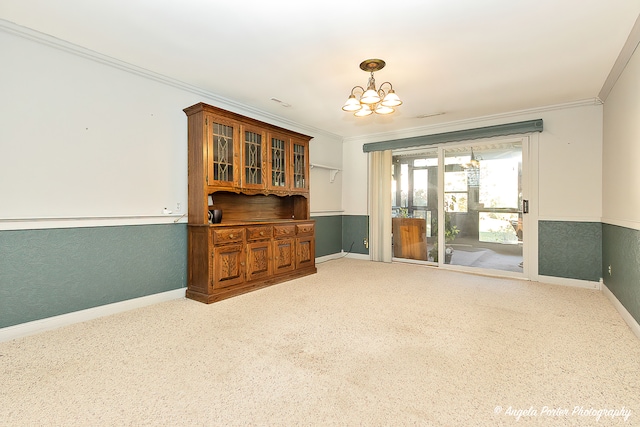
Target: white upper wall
[354,190]
[568,164]
[325,193]
[83,137]
[621,174]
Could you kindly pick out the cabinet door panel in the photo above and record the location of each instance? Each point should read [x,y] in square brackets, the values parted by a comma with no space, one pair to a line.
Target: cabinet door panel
[305,252]
[299,165]
[253,157]
[258,260]
[284,255]
[278,162]
[223,152]
[228,265]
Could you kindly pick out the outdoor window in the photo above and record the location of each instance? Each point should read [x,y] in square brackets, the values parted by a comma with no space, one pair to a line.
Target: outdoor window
[456,192]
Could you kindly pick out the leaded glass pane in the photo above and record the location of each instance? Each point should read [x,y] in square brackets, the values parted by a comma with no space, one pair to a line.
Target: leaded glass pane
[298,166]
[253,157]
[278,166]
[222,152]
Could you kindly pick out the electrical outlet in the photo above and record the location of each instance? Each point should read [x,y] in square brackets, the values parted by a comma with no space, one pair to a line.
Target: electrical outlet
[366,243]
[178,206]
[609,269]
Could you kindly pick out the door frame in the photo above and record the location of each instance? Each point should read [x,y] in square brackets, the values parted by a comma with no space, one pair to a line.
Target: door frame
[528,222]
[529,144]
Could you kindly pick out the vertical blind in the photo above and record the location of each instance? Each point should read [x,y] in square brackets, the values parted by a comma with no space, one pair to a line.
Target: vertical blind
[380,205]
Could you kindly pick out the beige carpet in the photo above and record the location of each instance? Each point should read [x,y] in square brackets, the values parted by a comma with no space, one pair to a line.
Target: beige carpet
[359,343]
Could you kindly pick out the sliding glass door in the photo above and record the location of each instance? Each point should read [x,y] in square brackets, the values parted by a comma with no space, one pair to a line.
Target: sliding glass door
[476,191]
[414,201]
[482,203]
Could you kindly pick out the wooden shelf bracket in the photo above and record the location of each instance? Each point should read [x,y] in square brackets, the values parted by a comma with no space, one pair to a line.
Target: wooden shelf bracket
[333,171]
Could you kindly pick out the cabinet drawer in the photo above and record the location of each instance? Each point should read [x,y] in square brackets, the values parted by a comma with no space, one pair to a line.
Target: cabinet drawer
[304,229]
[228,235]
[284,230]
[260,232]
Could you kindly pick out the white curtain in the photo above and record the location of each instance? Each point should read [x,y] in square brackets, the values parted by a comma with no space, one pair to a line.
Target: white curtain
[380,205]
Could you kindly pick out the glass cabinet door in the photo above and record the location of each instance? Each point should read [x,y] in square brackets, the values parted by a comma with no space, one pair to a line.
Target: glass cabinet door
[253,158]
[278,162]
[222,152]
[300,156]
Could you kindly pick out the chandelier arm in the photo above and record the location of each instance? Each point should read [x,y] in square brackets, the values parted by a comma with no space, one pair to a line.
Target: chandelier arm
[385,83]
[356,87]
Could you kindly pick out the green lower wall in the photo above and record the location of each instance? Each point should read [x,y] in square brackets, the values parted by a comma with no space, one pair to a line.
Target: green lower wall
[355,228]
[570,249]
[328,234]
[44,273]
[341,233]
[49,272]
[567,249]
[621,251]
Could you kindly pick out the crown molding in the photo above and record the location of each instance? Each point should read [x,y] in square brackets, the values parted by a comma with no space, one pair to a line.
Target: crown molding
[625,55]
[465,123]
[212,98]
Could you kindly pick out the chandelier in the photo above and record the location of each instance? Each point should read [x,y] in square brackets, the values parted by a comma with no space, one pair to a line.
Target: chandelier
[372,100]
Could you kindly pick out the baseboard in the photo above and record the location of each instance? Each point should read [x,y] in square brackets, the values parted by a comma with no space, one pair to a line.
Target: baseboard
[342,254]
[626,316]
[365,257]
[563,281]
[50,323]
[330,257]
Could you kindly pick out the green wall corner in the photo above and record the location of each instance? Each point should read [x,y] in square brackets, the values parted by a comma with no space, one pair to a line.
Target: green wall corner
[570,249]
[328,234]
[355,228]
[621,251]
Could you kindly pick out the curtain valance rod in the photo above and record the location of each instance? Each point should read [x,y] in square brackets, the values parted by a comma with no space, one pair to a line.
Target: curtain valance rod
[456,136]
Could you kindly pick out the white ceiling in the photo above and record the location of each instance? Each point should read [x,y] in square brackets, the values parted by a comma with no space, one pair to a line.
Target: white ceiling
[463,58]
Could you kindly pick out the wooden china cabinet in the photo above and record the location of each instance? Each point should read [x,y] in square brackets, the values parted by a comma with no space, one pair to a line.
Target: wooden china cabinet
[257,174]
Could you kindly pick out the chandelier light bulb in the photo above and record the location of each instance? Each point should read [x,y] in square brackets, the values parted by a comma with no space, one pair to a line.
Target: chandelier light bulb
[391,99]
[352,104]
[383,109]
[370,97]
[364,111]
